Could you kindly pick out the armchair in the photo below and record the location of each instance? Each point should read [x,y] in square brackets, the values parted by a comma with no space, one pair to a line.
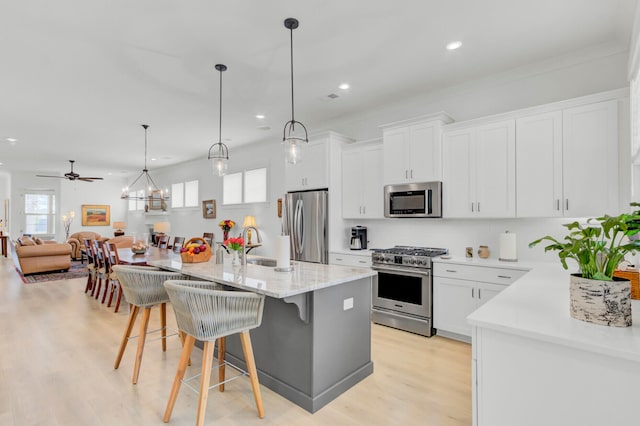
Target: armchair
[76,242]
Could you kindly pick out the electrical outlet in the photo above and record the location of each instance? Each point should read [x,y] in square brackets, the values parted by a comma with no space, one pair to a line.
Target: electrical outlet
[347,304]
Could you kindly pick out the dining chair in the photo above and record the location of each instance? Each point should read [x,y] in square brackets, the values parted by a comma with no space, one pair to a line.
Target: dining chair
[143,289]
[178,242]
[101,271]
[91,265]
[208,237]
[162,241]
[208,314]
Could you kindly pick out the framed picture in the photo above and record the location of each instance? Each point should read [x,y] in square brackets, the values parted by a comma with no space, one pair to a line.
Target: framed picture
[96,215]
[156,202]
[209,209]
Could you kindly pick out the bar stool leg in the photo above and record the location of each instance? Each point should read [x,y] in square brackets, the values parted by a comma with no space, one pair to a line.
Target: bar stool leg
[177,381]
[127,333]
[146,313]
[207,360]
[222,349]
[163,325]
[253,372]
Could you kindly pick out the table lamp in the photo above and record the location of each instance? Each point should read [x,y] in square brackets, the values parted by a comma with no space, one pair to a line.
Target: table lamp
[249,222]
[119,228]
[161,228]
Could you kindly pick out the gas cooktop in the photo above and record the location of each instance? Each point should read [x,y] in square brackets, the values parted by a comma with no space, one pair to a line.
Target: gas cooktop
[416,257]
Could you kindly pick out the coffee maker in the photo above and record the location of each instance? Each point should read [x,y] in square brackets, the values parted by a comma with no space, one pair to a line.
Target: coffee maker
[358,238]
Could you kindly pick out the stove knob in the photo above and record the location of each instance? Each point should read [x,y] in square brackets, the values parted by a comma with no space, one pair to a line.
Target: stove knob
[412,261]
[423,262]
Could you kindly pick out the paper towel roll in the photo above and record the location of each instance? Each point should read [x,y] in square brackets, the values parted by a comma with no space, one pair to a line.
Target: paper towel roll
[508,247]
[283,252]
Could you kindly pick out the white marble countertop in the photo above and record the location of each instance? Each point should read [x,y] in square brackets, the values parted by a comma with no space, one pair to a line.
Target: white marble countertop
[537,306]
[304,278]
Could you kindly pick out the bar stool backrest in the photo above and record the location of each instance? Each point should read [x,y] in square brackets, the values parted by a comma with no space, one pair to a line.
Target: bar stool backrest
[143,286]
[207,313]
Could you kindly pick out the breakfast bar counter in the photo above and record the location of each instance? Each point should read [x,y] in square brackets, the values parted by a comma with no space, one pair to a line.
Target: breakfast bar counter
[315,339]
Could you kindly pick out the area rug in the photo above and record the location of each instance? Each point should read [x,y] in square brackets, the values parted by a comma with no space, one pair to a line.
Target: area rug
[77,270]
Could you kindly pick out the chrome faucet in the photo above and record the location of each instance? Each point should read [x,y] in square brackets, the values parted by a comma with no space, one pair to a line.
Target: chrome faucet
[244,238]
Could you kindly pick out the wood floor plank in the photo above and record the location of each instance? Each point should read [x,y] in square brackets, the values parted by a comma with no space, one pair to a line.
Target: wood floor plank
[59,344]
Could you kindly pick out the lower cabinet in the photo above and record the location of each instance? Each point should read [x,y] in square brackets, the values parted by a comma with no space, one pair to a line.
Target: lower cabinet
[360,260]
[459,290]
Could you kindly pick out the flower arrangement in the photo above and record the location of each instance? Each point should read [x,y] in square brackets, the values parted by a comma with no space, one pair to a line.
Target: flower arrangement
[66,222]
[235,244]
[226,225]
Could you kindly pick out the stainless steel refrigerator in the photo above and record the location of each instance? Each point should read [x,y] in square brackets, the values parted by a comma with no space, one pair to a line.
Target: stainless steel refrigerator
[305,220]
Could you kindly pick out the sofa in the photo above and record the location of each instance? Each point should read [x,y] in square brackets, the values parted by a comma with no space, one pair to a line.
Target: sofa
[76,240]
[33,255]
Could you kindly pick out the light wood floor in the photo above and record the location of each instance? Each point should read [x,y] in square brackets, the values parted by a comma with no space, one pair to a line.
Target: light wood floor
[59,345]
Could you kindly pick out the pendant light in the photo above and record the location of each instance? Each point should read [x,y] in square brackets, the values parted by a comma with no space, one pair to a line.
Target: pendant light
[293,141]
[218,152]
[143,187]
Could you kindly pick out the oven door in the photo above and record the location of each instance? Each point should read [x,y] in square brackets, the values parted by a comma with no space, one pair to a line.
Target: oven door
[402,290]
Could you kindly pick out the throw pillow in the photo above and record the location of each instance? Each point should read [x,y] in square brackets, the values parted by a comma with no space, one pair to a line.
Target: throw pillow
[26,241]
[37,240]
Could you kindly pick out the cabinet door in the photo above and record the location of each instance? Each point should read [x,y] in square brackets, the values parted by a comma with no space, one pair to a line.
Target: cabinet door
[395,168]
[312,171]
[486,292]
[539,165]
[424,158]
[453,301]
[352,181]
[590,158]
[495,161]
[457,171]
[372,185]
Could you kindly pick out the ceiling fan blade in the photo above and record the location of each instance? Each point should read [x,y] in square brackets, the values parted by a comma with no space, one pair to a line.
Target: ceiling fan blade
[88,179]
[61,177]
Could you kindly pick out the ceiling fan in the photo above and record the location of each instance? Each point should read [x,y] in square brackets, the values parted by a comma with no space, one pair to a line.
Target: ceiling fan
[73,176]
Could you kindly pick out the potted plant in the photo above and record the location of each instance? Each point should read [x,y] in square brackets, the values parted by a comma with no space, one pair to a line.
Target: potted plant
[598,247]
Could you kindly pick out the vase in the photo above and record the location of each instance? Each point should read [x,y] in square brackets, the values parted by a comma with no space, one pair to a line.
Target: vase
[225,235]
[600,302]
[235,258]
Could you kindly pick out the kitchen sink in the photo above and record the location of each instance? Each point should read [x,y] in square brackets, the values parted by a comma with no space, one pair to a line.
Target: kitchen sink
[262,262]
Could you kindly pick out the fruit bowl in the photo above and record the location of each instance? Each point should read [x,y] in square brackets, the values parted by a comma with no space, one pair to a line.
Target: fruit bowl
[139,248]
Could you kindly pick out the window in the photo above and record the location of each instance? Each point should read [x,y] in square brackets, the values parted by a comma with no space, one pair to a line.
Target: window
[39,213]
[185,194]
[249,186]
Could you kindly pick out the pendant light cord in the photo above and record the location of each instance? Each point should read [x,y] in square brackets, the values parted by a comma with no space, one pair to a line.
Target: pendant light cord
[220,126]
[145,146]
[291,44]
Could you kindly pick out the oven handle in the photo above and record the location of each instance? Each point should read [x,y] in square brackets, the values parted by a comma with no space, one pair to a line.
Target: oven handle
[422,272]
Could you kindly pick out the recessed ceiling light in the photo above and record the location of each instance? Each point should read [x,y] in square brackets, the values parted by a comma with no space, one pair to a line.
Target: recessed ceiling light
[12,140]
[153,159]
[454,45]
[260,116]
[344,86]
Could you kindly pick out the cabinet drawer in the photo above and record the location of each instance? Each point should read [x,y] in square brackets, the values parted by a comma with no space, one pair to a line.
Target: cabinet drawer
[477,273]
[350,260]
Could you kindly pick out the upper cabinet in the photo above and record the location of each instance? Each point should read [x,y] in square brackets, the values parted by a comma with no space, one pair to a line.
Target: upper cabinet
[312,172]
[567,162]
[413,149]
[362,187]
[479,171]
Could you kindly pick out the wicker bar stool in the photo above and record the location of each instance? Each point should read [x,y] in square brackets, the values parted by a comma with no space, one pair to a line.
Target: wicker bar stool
[207,314]
[142,288]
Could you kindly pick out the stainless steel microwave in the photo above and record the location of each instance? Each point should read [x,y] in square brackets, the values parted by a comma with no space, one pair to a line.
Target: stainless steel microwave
[413,200]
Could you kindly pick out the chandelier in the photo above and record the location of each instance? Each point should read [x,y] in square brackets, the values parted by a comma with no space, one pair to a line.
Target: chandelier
[218,152]
[143,187]
[292,140]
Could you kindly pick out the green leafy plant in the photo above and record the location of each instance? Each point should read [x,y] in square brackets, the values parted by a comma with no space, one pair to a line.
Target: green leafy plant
[599,245]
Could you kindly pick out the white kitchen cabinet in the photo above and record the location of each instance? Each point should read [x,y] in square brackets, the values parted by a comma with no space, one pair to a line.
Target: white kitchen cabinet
[459,290]
[312,172]
[567,162]
[413,152]
[361,259]
[362,186]
[479,171]
[590,159]
[539,165]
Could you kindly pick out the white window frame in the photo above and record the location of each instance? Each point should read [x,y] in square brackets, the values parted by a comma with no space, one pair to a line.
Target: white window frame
[51,215]
[185,194]
[242,190]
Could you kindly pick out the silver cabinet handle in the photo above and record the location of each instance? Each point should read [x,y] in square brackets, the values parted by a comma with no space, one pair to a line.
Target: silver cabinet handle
[558,204]
[362,261]
[364,209]
[479,297]
[406,174]
[473,293]
[339,259]
[504,276]
[472,207]
[411,173]
[451,270]
[478,206]
[566,204]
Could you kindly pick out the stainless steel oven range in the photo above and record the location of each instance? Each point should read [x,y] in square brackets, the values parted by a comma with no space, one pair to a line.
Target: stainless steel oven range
[403,290]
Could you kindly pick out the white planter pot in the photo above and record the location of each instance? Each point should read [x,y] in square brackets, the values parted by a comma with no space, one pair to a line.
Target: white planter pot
[600,302]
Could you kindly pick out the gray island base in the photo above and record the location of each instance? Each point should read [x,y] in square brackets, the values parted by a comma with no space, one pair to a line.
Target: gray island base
[312,345]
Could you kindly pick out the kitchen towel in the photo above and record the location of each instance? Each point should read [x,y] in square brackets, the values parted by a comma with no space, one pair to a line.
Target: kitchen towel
[508,247]
[283,252]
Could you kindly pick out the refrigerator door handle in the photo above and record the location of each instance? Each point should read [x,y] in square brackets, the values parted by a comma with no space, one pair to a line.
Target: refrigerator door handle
[299,236]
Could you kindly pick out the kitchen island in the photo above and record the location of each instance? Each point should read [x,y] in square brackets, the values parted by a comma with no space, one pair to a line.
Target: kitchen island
[535,365]
[315,339]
